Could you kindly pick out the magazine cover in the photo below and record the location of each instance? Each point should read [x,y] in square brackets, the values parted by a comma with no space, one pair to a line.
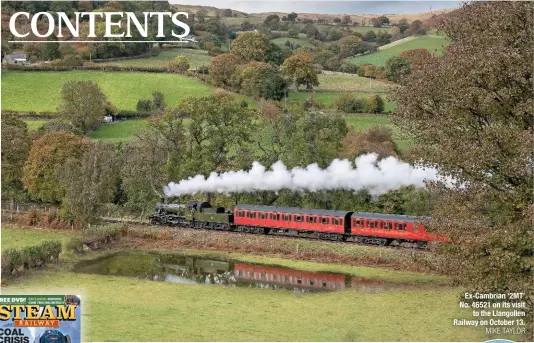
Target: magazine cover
[295,171]
[40,318]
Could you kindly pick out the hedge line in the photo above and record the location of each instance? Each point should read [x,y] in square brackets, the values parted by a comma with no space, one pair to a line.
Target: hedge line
[14,260]
[97,236]
[122,114]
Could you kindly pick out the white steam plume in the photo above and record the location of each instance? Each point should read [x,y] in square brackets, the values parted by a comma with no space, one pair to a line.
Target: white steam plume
[378,177]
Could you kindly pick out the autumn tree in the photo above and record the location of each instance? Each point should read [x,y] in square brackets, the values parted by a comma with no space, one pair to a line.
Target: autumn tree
[417,57]
[47,156]
[83,104]
[222,68]
[470,112]
[15,149]
[299,70]
[250,46]
[378,139]
[89,183]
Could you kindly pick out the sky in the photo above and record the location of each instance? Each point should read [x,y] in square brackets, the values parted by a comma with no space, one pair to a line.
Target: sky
[326,6]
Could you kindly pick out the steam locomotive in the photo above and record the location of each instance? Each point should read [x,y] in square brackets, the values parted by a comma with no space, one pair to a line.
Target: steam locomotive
[359,227]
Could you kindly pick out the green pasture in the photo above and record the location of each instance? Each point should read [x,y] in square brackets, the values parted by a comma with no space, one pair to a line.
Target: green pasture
[434,44]
[13,237]
[340,82]
[196,58]
[328,98]
[303,42]
[40,91]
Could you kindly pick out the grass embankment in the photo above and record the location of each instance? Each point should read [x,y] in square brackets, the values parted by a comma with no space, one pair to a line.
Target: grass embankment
[434,44]
[121,131]
[40,91]
[196,58]
[14,237]
[127,309]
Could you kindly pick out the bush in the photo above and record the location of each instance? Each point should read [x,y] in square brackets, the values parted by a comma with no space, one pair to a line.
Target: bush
[72,60]
[375,104]
[349,103]
[178,65]
[58,126]
[15,260]
[96,236]
[348,67]
[144,106]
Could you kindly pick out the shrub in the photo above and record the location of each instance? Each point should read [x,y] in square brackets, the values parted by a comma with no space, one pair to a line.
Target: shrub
[58,126]
[375,104]
[97,236]
[349,103]
[348,67]
[178,65]
[144,106]
[72,60]
[14,260]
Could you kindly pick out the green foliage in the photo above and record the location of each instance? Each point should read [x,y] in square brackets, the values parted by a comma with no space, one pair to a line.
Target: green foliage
[299,70]
[57,126]
[89,183]
[178,65]
[15,150]
[397,67]
[250,46]
[72,60]
[83,104]
[16,260]
[144,106]
[349,103]
[96,236]
[262,80]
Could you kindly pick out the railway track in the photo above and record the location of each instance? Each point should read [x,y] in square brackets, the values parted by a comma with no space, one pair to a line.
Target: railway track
[274,236]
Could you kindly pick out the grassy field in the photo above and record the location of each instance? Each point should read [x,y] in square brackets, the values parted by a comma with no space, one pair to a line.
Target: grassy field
[13,237]
[328,98]
[196,58]
[119,131]
[432,43]
[40,91]
[34,125]
[129,309]
[352,83]
[303,42]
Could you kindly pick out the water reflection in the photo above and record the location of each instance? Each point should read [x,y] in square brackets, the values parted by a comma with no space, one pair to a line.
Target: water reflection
[201,270]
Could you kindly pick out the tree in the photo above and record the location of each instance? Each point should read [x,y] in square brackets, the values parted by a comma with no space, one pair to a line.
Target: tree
[293,32]
[272,21]
[144,106]
[416,28]
[337,20]
[89,182]
[334,34]
[227,13]
[275,54]
[250,46]
[378,139]
[262,80]
[222,68]
[370,36]
[397,67]
[47,156]
[15,150]
[298,69]
[83,104]
[178,65]
[50,50]
[476,124]
[158,102]
[350,46]
[346,20]
[403,25]
[418,57]
[292,16]
[200,15]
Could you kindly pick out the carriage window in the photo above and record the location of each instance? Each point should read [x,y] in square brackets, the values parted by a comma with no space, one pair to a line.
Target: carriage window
[263,216]
[387,225]
[382,225]
[373,225]
[325,220]
[277,216]
[285,217]
[298,219]
[397,226]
